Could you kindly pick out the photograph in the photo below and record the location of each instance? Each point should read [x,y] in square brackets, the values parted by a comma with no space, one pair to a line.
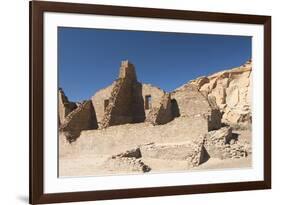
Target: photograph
[144,102]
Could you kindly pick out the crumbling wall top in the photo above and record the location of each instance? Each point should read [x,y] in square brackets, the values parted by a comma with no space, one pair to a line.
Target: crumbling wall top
[127,70]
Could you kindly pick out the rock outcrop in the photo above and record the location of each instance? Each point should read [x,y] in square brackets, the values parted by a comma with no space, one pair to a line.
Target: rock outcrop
[82,118]
[232,91]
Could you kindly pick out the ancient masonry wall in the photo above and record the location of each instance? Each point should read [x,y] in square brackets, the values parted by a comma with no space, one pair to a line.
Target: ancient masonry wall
[65,106]
[191,102]
[161,114]
[116,139]
[100,99]
[155,94]
[82,118]
[126,103]
[138,111]
[141,93]
[119,109]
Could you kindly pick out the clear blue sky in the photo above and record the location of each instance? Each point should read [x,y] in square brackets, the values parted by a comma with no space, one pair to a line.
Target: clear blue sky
[89,59]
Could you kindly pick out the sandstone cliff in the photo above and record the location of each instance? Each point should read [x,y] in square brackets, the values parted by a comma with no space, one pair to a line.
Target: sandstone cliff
[232,91]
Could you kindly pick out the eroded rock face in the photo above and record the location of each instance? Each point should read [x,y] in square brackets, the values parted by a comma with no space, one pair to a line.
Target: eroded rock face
[232,90]
[65,106]
[82,118]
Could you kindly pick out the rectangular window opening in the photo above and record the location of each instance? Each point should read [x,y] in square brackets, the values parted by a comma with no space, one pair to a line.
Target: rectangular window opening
[106,102]
[147,103]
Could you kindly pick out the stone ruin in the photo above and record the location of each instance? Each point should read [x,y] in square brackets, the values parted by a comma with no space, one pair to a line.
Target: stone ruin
[192,123]
[162,113]
[129,101]
[126,103]
[81,118]
[65,106]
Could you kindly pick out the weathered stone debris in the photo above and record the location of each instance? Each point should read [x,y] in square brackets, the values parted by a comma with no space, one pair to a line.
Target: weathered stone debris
[136,153]
[193,153]
[126,164]
[223,144]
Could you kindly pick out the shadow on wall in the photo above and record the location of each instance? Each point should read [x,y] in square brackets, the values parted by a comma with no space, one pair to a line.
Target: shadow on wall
[138,112]
[204,156]
[175,108]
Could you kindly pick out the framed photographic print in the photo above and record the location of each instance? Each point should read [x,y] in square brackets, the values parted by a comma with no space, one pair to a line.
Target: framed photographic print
[139,102]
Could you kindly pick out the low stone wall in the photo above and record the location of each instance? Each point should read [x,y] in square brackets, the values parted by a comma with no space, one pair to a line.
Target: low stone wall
[116,139]
[193,152]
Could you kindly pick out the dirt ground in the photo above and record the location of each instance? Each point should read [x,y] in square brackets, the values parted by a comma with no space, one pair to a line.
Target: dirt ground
[93,165]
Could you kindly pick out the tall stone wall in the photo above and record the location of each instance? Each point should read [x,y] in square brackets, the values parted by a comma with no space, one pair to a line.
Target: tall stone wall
[119,109]
[155,93]
[140,92]
[125,103]
[138,111]
[126,99]
[99,100]
[65,106]
[127,70]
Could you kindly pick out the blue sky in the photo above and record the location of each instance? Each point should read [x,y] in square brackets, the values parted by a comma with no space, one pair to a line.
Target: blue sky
[89,59]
